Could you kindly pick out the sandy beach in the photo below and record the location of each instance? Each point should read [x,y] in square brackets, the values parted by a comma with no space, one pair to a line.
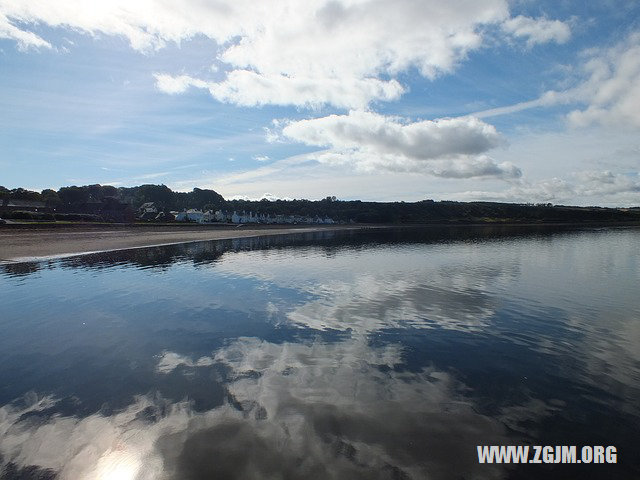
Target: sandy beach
[29,244]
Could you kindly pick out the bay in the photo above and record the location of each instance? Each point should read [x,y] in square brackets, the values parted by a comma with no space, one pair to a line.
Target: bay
[382,353]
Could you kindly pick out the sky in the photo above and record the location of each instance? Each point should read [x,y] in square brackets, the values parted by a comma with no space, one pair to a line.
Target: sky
[379,100]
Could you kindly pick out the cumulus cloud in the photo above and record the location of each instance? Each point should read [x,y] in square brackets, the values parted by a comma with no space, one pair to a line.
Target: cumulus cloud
[287,52]
[612,89]
[449,147]
[425,140]
[250,89]
[537,30]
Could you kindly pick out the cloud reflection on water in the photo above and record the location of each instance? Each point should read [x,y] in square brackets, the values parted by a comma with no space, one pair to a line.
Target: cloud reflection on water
[520,331]
[379,288]
[315,410]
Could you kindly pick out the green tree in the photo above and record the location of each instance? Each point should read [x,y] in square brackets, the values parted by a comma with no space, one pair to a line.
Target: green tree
[73,195]
[23,194]
[161,195]
[50,197]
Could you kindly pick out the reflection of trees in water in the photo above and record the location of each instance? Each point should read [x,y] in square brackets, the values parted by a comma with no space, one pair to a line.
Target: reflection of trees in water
[11,471]
[22,268]
[329,241]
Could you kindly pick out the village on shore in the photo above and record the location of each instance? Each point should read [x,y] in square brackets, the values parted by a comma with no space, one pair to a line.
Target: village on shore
[149,211]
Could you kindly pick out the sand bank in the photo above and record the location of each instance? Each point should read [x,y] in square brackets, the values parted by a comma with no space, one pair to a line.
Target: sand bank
[28,244]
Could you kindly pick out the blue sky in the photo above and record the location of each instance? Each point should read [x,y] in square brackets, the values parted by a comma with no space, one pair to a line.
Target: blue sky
[373,99]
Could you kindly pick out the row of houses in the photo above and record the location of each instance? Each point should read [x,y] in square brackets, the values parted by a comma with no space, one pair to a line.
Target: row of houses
[221,216]
[149,211]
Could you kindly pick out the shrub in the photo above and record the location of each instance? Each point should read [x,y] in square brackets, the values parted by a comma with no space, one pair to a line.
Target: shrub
[77,217]
[25,215]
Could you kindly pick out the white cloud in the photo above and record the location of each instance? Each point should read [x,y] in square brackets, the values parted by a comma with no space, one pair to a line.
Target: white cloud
[177,84]
[603,183]
[272,198]
[146,25]
[552,190]
[363,38]
[612,89]
[424,140]
[261,158]
[248,88]
[547,99]
[583,188]
[265,196]
[537,30]
[340,52]
[481,166]
[542,156]
[449,147]
[25,39]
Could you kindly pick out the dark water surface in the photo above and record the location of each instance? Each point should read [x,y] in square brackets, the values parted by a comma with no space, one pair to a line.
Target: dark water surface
[373,355]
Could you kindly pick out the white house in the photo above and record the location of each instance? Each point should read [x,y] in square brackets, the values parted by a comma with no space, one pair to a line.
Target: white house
[244,217]
[190,215]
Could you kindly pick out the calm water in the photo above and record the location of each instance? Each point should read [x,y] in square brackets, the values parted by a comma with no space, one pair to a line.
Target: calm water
[325,356]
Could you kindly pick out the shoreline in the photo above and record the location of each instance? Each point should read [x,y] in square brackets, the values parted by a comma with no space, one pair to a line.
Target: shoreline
[38,244]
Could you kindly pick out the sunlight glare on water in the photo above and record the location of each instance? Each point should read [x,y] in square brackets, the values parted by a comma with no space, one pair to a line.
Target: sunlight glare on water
[118,465]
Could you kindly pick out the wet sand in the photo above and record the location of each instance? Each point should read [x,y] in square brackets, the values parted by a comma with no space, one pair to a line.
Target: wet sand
[28,244]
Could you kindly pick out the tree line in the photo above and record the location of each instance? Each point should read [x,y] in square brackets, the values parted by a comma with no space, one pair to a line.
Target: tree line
[74,199]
